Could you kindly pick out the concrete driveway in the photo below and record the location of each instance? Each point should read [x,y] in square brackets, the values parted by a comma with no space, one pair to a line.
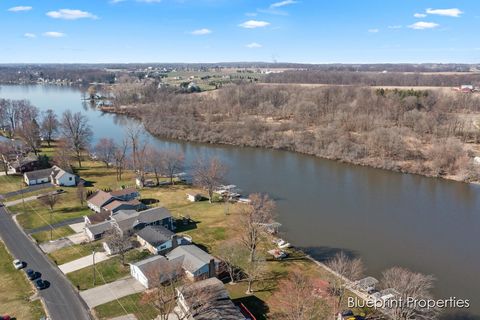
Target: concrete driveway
[111,291]
[51,246]
[83,262]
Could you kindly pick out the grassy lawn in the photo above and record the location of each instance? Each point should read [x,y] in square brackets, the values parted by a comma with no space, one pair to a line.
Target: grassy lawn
[32,193]
[16,290]
[36,214]
[58,233]
[10,183]
[74,252]
[130,304]
[107,271]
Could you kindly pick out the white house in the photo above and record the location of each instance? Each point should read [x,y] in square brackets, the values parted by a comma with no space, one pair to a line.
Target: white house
[55,175]
[151,271]
[196,263]
[158,239]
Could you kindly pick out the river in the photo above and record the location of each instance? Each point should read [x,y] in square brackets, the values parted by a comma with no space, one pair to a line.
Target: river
[388,219]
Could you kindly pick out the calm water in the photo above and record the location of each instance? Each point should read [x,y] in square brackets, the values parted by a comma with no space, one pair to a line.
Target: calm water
[388,219]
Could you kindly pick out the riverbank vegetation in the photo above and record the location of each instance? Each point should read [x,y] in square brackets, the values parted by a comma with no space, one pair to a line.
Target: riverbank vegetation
[416,131]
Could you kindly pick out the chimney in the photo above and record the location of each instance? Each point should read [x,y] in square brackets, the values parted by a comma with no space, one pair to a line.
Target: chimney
[212,272]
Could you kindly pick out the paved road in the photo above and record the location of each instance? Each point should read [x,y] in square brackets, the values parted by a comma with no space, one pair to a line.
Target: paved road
[61,299]
[111,291]
[55,225]
[26,190]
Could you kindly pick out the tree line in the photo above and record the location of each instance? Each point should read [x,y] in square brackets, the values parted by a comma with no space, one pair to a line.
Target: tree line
[426,132]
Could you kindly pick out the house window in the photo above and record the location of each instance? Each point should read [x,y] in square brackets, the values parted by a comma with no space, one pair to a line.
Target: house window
[70,178]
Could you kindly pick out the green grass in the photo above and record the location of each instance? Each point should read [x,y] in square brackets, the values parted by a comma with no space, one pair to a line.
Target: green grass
[57,234]
[16,290]
[32,193]
[107,271]
[130,304]
[10,183]
[37,214]
[74,252]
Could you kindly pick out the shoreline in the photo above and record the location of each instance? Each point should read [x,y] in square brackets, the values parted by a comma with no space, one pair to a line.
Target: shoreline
[128,113]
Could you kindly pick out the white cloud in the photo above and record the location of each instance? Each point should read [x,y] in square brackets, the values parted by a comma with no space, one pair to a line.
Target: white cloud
[149,1]
[71,14]
[20,8]
[453,12]
[201,32]
[253,45]
[421,25]
[282,3]
[54,34]
[395,27]
[116,1]
[373,30]
[251,14]
[29,35]
[252,24]
[419,15]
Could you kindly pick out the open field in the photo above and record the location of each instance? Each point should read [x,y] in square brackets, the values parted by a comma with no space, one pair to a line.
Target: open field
[16,291]
[10,183]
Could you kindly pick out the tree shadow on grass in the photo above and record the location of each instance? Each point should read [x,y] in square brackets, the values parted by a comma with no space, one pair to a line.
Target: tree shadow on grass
[255,305]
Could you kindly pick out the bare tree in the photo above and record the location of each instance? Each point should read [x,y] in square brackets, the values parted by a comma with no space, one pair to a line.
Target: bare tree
[154,162]
[29,131]
[50,200]
[254,271]
[63,155]
[346,269]
[232,253]
[134,134]
[119,242]
[49,125]
[105,150]
[6,150]
[81,193]
[172,163]
[256,214]
[410,286]
[120,157]
[77,132]
[209,174]
[296,299]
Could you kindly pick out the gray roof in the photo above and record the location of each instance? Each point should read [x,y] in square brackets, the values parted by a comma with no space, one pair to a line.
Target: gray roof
[155,235]
[367,282]
[158,265]
[194,258]
[38,174]
[128,219]
[99,228]
[216,305]
[154,214]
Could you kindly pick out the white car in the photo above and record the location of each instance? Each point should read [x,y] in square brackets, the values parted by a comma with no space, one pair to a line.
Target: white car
[17,264]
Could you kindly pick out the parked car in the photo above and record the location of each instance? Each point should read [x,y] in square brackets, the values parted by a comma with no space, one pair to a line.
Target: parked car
[18,264]
[5,317]
[32,275]
[40,284]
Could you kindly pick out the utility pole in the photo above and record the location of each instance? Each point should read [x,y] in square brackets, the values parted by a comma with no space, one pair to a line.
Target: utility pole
[94,275]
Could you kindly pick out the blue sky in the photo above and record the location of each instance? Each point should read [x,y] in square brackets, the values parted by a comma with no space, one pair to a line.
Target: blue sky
[310,31]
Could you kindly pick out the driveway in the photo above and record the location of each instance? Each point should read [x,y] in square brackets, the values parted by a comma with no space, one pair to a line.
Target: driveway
[27,189]
[111,291]
[83,262]
[61,300]
[51,246]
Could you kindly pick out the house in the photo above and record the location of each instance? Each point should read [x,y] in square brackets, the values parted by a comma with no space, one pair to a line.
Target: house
[117,205]
[23,164]
[154,270]
[99,199]
[158,239]
[37,177]
[196,263]
[55,175]
[130,221]
[60,177]
[111,249]
[207,300]
[97,231]
[194,197]
[126,194]
[123,199]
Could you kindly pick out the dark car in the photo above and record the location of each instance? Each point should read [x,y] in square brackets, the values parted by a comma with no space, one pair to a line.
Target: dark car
[40,284]
[5,317]
[32,275]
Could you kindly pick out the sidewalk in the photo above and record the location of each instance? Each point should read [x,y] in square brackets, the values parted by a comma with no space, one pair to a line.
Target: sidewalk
[83,262]
[111,291]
